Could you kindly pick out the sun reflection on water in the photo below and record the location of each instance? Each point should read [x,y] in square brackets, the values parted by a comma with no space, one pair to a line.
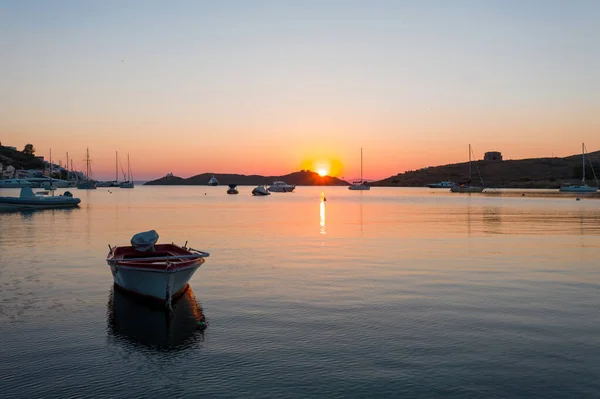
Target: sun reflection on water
[322,216]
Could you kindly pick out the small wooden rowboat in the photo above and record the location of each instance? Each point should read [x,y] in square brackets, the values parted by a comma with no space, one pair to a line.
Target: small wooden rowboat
[160,272]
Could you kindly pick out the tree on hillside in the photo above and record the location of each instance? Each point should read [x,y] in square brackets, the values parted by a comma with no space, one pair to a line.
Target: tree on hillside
[29,149]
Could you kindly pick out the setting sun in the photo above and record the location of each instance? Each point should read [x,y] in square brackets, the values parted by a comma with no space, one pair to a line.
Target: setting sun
[322,166]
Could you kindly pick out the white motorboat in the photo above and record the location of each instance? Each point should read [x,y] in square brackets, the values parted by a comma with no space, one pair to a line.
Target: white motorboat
[213,181]
[442,184]
[583,187]
[261,191]
[159,272]
[360,185]
[467,187]
[112,183]
[15,183]
[27,200]
[45,182]
[281,187]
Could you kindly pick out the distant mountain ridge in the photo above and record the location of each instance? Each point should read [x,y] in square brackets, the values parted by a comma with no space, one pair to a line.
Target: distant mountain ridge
[521,173]
[301,178]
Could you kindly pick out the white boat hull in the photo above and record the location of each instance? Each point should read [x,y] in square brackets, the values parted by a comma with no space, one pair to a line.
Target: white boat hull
[15,183]
[276,189]
[440,185]
[29,201]
[466,189]
[4,207]
[359,187]
[578,189]
[156,284]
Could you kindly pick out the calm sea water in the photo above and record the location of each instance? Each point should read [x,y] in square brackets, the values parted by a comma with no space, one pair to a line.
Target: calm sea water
[387,293]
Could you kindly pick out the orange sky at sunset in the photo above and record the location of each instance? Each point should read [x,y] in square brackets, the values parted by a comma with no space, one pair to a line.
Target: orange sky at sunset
[198,87]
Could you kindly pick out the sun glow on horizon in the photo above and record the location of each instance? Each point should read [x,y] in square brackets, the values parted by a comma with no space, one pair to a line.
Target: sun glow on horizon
[323,166]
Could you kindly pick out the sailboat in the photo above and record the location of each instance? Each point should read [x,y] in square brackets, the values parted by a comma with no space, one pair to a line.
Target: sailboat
[47,184]
[361,185]
[113,183]
[467,187]
[583,187]
[129,182]
[88,183]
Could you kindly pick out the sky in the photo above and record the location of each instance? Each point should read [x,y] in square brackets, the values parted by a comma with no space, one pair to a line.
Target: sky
[272,87]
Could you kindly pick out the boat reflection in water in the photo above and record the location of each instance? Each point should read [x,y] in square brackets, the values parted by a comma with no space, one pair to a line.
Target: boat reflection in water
[139,322]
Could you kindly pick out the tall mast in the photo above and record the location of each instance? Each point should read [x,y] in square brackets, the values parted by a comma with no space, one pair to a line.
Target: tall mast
[469,161]
[50,165]
[583,164]
[67,166]
[361,167]
[87,163]
[117,166]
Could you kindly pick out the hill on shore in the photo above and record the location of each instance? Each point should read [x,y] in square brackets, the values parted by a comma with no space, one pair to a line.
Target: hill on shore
[17,159]
[301,178]
[522,173]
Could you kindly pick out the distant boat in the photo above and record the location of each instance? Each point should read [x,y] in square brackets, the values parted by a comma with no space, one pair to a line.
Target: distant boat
[129,182]
[281,187]
[232,189]
[112,183]
[213,181]
[361,185]
[466,187]
[261,191]
[27,200]
[442,184]
[583,187]
[15,183]
[88,183]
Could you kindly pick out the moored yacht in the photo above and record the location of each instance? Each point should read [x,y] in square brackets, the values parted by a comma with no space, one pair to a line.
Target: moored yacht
[44,182]
[15,183]
[232,189]
[442,184]
[87,183]
[360,185]
[583,187]
[466,186]
[260,191]
[129,182]
[27,200]
[281,187]
[112,183]
[213,181]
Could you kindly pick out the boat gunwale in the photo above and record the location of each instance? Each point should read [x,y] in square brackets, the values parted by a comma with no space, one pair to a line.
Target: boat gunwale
[185,259]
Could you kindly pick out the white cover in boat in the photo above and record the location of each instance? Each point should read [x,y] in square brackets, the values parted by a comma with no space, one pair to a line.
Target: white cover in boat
[144,241]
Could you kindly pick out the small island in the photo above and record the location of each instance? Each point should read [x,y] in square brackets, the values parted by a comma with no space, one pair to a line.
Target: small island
[301,178]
